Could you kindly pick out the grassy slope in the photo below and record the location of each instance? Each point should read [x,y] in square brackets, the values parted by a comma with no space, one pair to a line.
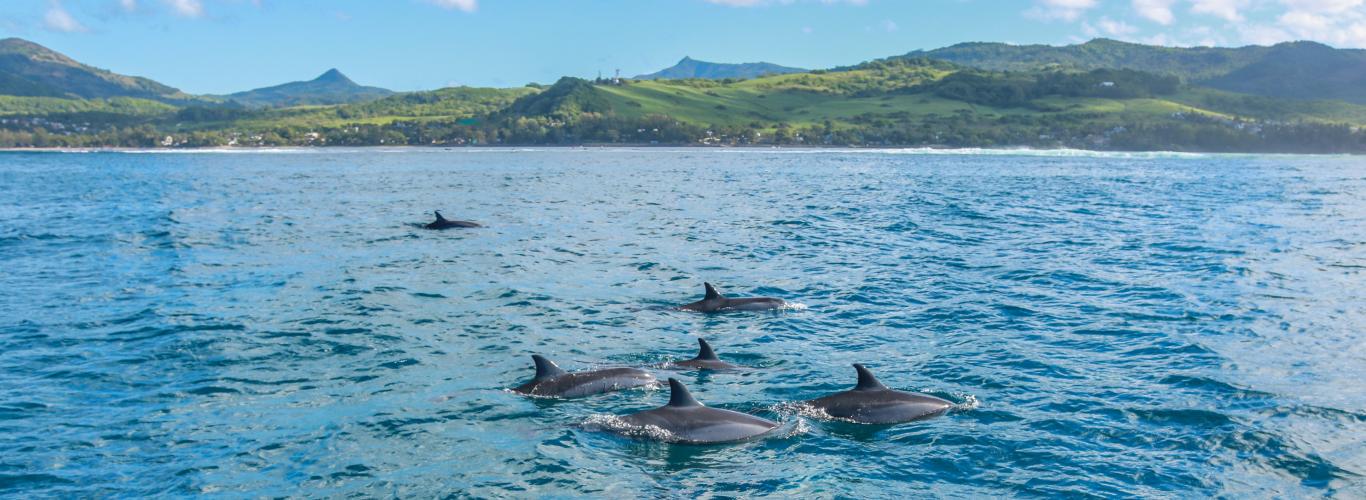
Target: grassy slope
[796,99]
[845,98]
[810,99]
[41,106]
[444,104]
[1273,109]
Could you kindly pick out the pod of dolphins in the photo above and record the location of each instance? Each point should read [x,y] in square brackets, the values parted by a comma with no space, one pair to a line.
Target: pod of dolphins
[686,420]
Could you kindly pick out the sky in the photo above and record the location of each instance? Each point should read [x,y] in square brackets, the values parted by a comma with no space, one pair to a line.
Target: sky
[223,46]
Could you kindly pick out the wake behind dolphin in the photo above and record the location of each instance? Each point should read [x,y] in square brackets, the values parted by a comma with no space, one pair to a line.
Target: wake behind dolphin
[444,223]
[713,301]
[870,402]
[684,420]
[552,381]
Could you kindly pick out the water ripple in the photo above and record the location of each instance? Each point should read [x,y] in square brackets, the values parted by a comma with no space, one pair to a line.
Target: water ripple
[277,324]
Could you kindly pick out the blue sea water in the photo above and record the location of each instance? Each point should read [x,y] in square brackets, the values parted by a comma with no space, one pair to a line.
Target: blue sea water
[274,323]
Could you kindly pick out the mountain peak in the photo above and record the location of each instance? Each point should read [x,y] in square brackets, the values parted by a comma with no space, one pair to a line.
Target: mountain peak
[32,51]
[331,87]
[693,68]
[333,76]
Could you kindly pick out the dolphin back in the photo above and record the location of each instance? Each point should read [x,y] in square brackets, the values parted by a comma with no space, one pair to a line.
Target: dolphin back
[578,384]
[688,421]
[870,402]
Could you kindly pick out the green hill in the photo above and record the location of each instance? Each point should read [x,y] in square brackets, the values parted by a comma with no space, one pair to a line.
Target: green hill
[1050,97]
[332,87]
[692,68]
[29,69]
[1301,70]
[1298,70]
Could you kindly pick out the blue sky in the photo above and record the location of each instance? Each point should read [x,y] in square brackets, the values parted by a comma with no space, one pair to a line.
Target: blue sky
[220,46]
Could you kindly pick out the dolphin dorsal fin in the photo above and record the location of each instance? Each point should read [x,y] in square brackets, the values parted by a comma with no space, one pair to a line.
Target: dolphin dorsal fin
[711,292]
[679,397]
[704,351]
[866,380]
[439,218]
[546,368]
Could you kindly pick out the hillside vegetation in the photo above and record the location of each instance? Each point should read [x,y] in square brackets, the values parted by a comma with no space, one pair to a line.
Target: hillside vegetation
[29,69]
[1297,70]
[900,101]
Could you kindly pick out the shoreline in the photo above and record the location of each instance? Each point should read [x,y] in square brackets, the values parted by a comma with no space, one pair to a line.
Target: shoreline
[643,147]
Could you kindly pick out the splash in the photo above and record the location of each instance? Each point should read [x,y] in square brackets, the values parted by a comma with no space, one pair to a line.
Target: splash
[964,402]
[616,424]
[801,409]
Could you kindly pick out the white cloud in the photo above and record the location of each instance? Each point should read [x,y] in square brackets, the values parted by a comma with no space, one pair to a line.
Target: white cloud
[1228,10]
[757,3]
[1158,11]
[1322,6]
[1299,21]
[1335,22]
[463,5]
[1116,28]
[129,5]
[58,19]
[889,26]
[187,8]
[1066,10]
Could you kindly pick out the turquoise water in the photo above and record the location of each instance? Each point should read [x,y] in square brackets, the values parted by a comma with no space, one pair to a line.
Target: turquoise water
[263,324]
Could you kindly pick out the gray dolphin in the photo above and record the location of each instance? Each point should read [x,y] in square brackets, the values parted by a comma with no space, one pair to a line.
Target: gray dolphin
[443,223]
[554,382]
[688,421]
[715,302]
[706,359]
[870,402]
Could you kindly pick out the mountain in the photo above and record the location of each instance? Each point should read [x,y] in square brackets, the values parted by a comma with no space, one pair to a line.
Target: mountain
[1194,63]
[692,68]
[1300,70]
[1094,95]
[29,69]
[567,97]
[331,87]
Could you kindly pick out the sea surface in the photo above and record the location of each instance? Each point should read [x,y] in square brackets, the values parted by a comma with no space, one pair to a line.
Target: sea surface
[275,323]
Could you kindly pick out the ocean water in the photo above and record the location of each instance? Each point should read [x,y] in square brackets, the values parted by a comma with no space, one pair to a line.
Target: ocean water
[274,323]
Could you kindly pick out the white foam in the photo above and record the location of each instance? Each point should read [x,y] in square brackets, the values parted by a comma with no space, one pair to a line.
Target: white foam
[618,425]
[1062,153]
[969,402]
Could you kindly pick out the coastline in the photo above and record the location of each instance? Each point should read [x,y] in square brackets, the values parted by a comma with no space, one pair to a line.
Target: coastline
[928,150]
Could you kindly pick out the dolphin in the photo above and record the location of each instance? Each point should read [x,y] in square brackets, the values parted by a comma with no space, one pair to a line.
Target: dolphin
[551,381]
[870,402]
[688,421]
[715,302]
[443,223]
[706,359]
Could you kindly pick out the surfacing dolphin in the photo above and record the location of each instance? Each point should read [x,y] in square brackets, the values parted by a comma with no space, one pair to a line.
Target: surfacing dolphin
[688,421]
[706,359]
[551,381]
[870,402]
[443,223]
[715,302]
